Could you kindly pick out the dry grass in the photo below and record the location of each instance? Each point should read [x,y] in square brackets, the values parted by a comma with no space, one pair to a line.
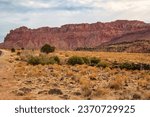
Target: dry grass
[75,82]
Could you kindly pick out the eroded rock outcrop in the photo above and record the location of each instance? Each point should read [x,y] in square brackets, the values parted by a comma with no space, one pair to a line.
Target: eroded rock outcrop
[72,36]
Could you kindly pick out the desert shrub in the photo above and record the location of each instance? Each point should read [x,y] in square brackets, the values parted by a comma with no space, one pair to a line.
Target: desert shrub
[141,66]
[22,48]
[94,61]
[47,49]
[66,55]
[75,60]
[43,59]
[145,66]
[33,60]
[101,91]
[56,58]
[126,65]
[86,90]
[13,50]
[114,85]
[26,55]
[136,96]
[83,60]
[103,64]
[86,60]
[130,66]
[55,91]
[85,86]
[18,53]
[115,64]
[17,59]
[135,66]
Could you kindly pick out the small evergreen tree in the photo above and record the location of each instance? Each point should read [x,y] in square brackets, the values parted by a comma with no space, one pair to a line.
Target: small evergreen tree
[47,49]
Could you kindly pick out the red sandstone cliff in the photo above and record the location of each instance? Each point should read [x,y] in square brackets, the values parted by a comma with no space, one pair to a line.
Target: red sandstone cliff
[73,35]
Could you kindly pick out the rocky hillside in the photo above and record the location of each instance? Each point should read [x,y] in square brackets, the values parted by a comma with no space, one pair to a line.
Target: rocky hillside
[131,47]
[132,42]
[72,36]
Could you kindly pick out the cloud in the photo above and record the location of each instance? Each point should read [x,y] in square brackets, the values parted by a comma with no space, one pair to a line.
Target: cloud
[123,5]
[115,5]
[22,6]
[37,13]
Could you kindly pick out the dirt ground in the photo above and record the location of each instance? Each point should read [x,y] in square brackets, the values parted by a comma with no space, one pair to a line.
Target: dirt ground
[20,81]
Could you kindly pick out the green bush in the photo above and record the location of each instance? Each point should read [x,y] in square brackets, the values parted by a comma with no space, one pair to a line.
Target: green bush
[13,50]
[47,49]
[94,61]
[86,60]
[136,66]
[83,60]
[33,60]
[126,65]
[56,58]
[145,66]
[130,66]
[103,64]
[44,60]
[75,60]
[53,60]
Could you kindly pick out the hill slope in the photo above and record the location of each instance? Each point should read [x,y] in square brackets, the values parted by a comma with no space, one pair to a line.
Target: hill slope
[133,42]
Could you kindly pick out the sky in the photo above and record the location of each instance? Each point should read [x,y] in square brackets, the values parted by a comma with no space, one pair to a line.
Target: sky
[54,13]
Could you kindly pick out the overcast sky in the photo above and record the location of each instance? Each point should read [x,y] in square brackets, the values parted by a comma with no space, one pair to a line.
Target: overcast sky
[39,13]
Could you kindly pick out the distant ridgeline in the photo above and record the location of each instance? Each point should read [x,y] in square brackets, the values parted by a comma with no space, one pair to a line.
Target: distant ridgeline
[119,36]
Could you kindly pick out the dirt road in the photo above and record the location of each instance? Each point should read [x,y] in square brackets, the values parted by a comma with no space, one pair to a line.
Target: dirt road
[7,82]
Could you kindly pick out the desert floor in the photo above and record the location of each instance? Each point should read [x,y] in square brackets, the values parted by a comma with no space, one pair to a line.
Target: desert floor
[20,81]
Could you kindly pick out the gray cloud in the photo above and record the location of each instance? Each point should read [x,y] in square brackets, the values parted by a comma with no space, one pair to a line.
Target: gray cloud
[37,13]
[23,6]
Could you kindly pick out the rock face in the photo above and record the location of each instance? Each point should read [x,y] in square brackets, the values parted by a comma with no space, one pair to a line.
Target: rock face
[72,36]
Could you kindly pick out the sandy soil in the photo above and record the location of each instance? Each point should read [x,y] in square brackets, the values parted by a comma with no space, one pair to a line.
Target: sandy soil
[20,81]
[7,81]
